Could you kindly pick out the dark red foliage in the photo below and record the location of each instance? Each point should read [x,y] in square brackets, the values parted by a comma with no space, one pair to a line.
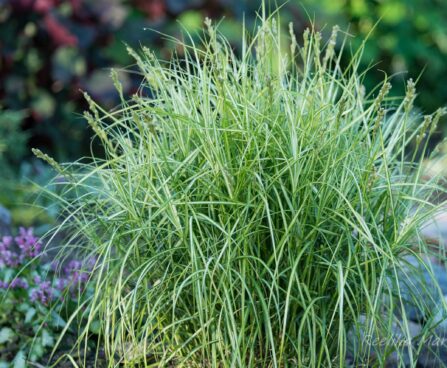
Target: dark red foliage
[154,9]
[39,6]
[61,36]
[43,6]
[52,49]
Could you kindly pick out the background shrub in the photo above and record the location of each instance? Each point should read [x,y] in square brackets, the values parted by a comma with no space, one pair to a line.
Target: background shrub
[51,49]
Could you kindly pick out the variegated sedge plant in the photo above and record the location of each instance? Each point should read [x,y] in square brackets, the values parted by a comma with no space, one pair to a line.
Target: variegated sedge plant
[251,210]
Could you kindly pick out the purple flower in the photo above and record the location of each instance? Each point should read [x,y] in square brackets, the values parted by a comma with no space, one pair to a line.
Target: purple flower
[43,293]
[76,274]
[80,277]
[18,283]
[91,263]
[72,266]
[6,242]
[28,243]
[7,256]
[61,284]
[54,265]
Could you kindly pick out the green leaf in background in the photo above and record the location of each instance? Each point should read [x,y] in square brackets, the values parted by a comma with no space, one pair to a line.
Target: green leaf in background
[392,11]
[232,30]
[33,60]
[191,20]
[6,335]
[95,327]
[12,139]
[68,63]
[333,6]
[359,7]
[44,104]
[57,321]
[47,338]
[31,312]
[19,360]
[118,53]
[37,350]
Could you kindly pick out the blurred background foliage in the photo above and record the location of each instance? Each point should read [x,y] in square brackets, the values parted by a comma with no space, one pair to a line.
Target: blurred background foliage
[51,50]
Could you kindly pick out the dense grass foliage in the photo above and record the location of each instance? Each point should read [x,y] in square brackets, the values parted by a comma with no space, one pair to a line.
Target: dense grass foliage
[251,211]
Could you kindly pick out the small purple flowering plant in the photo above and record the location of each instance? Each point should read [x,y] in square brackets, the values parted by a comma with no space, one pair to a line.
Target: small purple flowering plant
[36,296]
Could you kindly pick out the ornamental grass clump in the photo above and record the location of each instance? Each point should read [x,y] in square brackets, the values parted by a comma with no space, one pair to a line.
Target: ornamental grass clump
[251,210]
